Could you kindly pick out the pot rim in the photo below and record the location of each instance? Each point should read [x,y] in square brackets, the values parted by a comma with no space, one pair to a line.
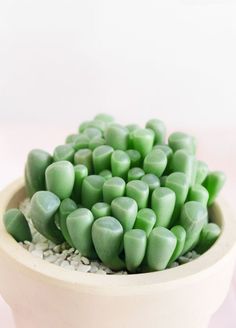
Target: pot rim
[204,265]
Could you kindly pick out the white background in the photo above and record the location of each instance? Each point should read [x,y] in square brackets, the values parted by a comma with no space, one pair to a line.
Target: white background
[63,61]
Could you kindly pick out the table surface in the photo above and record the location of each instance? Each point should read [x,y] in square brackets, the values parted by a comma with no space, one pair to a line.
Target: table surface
[17,139]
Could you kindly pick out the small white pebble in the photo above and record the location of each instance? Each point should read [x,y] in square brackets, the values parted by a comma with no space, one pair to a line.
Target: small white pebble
[188,255]
[101,271]
[57,248]
[51,245]
[94,269]
[102,266]
[37,238]
[108,270]
[58,261]
[70,251]
[64,246]
[48,252]
[42,246]
[37,253]
[84,260]
[64,264]
[183,260]
[77,258]
[62,256]
[51,258]
[74,263]
[173,265]
[84,268]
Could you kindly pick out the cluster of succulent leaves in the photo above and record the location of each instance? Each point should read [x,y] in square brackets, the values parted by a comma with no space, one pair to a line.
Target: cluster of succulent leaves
[122,194]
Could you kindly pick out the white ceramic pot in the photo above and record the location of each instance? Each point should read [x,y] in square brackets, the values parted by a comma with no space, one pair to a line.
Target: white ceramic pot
[43,295]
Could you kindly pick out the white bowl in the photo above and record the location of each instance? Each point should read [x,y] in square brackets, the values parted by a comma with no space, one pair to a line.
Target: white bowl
[43,295]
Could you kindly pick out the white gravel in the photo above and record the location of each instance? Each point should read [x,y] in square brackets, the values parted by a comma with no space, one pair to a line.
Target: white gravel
[62,255]
[70,258]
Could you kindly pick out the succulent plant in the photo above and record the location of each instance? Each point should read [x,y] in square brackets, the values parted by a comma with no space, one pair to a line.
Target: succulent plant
[121,195]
